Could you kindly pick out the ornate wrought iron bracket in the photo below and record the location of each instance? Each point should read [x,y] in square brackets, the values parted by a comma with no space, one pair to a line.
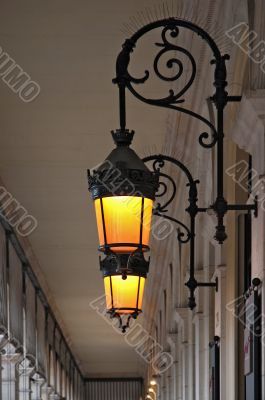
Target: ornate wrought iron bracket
[214,133]
[185,234]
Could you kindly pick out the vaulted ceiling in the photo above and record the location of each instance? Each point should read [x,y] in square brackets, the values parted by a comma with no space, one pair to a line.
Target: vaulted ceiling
[69,48]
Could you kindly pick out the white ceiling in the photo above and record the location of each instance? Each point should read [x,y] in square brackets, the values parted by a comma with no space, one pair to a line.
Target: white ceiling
[69,48]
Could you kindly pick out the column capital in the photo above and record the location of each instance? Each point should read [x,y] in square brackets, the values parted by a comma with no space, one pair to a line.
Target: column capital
[10,353]
[10,359]
[182,314]
[248,131]
[220,272]
[37,384]
[25,368]
[197,317]
[172,338]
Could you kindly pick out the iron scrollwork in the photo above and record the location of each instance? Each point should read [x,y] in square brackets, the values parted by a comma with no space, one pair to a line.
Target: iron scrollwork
[171,101]
[168,192]
[213,135]
[185,234]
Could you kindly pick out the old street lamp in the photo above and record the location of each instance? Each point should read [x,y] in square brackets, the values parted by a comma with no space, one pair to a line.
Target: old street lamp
[123,190]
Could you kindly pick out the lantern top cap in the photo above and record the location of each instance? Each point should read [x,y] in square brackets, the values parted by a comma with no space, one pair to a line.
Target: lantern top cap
[123,173]
[122,137]
[125,157]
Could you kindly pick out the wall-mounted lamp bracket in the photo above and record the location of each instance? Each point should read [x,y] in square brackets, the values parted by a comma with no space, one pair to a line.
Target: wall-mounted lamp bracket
[193,284]
[209,284]
[229,98]
[214,133]
[245,207]
[174,99]
[221,207]
[185,234]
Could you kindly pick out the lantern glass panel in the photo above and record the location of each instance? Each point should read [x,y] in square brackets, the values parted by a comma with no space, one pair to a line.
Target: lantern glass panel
[124,220]
[124,296]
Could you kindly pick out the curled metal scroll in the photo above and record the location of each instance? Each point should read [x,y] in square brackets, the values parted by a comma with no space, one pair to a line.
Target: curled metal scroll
[158,162]
[167,47]
[183,237]
[163,208]
[170,29]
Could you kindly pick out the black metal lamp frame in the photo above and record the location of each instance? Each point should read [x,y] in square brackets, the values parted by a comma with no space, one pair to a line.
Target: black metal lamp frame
[214,136]
[124,265]
[124,80]
[147,182]
[185,234]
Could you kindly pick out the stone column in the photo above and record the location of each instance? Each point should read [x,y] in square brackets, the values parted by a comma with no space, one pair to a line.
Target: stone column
[25,369]
[257,101]
[3,342]
[200,367]
[158,388]
[208,321]
[183,317]
[179,372]
[48,392]
[10,385]
[220,325]
[163,388]
[168,384]
[173,381]
[173,342]
[36,385]
[248,133]
[198,338]
[44,390]
[185,371]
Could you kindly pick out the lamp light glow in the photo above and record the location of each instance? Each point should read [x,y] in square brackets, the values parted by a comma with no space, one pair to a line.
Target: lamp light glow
[123,190]
[123,222]
[124,296]
[124,280]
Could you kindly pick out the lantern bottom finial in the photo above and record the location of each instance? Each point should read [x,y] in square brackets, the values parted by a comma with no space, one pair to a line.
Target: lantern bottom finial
[124,326]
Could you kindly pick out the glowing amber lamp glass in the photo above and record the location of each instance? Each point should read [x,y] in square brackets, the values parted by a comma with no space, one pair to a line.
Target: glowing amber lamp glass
[124,296]
[124,220]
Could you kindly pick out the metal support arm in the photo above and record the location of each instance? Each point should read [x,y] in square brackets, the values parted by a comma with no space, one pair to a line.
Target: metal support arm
[185,234]
[213,135]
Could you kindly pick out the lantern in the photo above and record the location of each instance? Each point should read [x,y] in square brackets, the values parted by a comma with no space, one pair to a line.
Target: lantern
[124,281]
[123,190]
[124,295]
